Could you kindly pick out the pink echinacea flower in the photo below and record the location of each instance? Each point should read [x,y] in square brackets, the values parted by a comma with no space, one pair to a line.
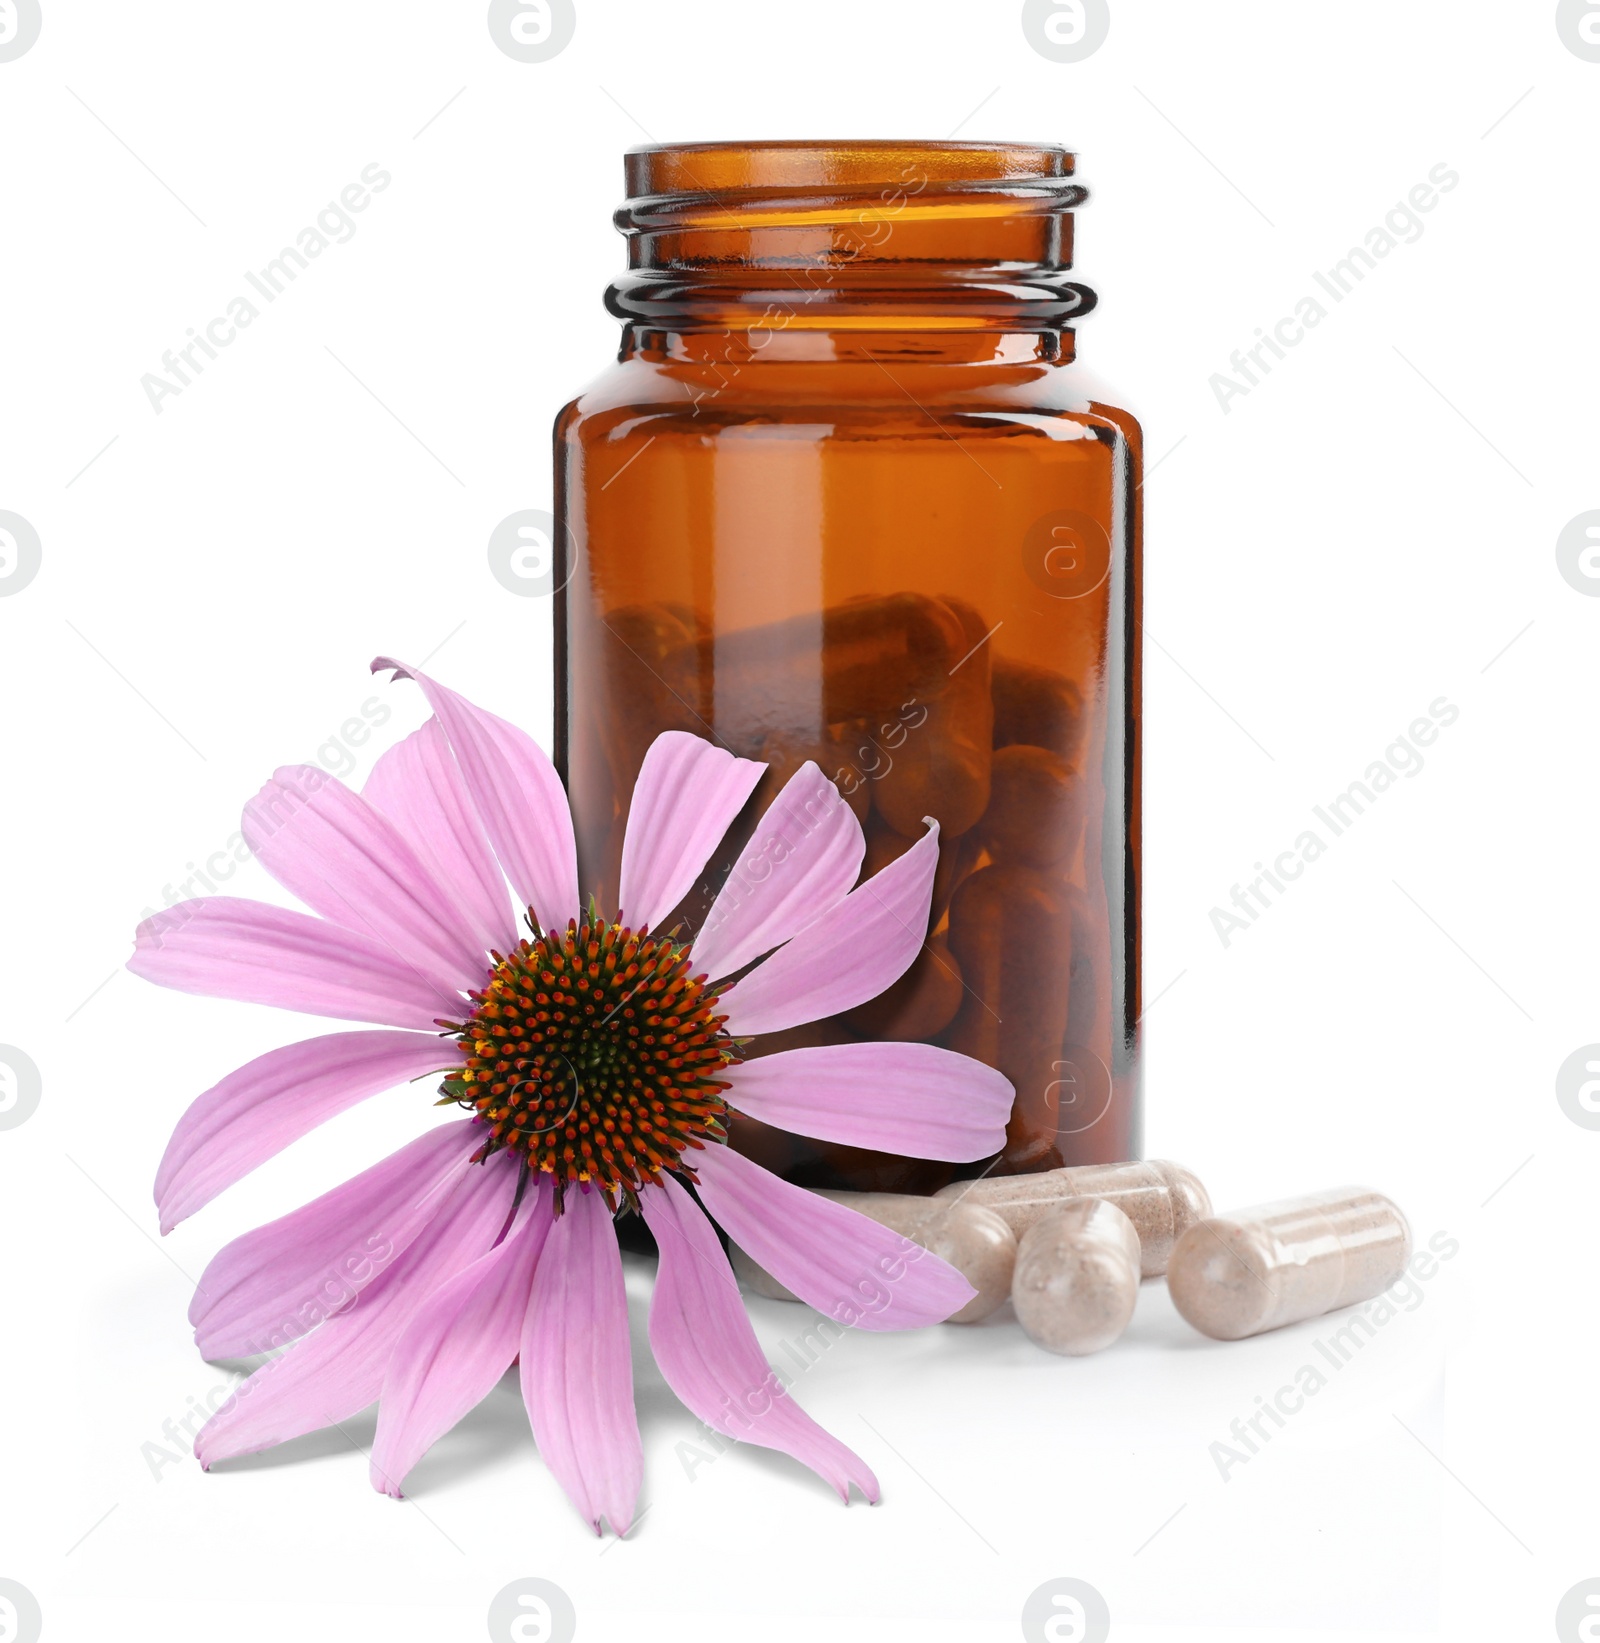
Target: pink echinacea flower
[598,1058]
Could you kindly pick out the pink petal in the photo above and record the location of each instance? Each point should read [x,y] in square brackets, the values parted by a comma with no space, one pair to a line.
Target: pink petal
[338,1371]
[344,860]
[804,857]
[255,1112]
[708,1353]
[913,1099]
[848,956]
[274,1284]
[458,1345]
[577,1371]
[686,797]
[518,795]
[417,785]
[833,1258]
[225,947]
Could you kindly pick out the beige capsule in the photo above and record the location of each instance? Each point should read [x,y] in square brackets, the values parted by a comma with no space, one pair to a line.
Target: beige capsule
[1237,1275]
[977,1243]
[1077,1277]
[1162,1200]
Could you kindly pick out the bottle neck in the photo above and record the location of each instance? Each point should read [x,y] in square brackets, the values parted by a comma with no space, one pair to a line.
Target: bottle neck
[812,249]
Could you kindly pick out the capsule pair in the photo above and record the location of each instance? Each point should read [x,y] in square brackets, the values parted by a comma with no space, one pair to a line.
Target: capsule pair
[1162,1200]
[1230,1276]
[1077,1271]
[1087,1235]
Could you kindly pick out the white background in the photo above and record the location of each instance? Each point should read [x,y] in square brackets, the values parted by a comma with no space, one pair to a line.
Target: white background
[1371,528]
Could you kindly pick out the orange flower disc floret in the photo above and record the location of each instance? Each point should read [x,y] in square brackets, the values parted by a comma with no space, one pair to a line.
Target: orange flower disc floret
[595,1053]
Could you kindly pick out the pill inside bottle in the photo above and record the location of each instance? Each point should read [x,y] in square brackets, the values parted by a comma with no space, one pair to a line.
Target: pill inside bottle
[976,1242]
[1258,1269]
[1077,1277]
[1161,1199]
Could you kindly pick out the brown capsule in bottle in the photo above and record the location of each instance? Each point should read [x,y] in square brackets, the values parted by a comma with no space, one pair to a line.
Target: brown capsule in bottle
[1258,1269]
[1036,706]
[1163,1200]
[858,660]
[864,761]
[941,760]
[1011,933]
[879,653]
[978,1244]
[651,682]
[1036,809]
[921,1004]
[1076,1280]
[965,854]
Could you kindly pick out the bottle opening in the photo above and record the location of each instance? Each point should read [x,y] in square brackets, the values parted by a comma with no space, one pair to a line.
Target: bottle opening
[670,168]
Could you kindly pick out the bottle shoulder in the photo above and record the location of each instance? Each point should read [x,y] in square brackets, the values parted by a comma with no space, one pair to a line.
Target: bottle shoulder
[640,393]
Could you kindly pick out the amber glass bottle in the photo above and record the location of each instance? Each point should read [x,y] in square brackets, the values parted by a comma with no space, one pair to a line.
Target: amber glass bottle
[845,496]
